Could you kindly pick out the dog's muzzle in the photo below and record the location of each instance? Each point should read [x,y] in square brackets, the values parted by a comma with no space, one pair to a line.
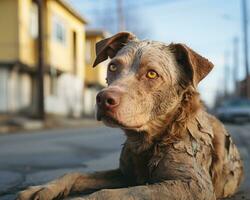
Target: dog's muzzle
[107,102]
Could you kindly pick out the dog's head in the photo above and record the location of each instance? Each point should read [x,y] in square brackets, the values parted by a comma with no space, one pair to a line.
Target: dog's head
[145,79]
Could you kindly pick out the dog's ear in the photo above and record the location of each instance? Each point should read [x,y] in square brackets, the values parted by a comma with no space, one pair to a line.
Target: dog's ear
[196,66]
[110,46]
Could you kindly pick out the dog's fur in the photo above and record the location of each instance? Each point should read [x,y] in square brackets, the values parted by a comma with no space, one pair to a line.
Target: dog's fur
[174,149]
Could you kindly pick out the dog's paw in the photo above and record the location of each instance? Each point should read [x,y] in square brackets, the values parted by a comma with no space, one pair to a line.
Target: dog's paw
[36,193]
[29,193]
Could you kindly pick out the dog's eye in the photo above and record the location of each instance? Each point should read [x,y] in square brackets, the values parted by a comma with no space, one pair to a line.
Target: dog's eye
[152,74]
[112,67]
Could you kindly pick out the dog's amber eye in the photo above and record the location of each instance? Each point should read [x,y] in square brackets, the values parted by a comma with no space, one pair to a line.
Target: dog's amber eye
[112,68]
[152,74]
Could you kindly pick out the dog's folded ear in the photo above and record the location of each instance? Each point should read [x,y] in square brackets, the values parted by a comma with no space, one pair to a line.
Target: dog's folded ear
[196,66]
[110,46]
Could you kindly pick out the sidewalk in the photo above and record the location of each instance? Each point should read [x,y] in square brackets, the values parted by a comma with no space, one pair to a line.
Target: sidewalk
[15,124]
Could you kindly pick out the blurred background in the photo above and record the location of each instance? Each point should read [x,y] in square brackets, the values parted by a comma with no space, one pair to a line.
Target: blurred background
[47,48]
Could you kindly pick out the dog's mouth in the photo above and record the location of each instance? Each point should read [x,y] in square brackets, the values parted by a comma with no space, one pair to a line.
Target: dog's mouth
[110,120]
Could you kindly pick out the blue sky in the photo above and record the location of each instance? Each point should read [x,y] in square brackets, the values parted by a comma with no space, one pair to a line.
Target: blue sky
[207,26]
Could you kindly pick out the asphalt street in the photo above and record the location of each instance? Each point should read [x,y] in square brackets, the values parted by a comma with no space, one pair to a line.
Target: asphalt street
[35,158]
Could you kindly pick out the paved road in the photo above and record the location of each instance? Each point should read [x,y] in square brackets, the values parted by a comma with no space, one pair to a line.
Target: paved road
[30,159]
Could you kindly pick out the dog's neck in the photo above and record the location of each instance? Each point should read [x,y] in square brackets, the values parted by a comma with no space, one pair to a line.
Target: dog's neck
[165,129]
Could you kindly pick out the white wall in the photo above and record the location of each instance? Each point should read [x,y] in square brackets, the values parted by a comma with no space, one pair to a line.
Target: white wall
[89,101]
[3,90]
[15,90]
[16,93]
[68,99]
[25,91]
[12,88]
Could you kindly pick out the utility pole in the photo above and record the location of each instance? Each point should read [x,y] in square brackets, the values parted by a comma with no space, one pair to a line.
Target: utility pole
[40,69]
[226,73]
[245,44]
[235,64]
[120,15]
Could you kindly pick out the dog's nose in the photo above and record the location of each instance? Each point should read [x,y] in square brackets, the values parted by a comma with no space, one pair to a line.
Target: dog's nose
[108,99]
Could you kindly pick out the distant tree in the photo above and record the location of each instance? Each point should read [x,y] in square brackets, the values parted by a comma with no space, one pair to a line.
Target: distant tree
[106,16]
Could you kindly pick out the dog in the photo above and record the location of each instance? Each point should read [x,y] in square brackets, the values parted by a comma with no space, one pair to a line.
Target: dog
[174,149]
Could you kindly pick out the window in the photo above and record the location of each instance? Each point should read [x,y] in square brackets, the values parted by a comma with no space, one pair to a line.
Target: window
[59,30]
[34,20]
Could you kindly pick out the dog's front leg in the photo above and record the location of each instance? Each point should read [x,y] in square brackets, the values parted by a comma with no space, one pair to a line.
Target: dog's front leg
[169,190]
[72,183]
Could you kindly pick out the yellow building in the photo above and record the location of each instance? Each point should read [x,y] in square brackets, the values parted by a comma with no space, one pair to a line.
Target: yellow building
[95,77]
[64,42]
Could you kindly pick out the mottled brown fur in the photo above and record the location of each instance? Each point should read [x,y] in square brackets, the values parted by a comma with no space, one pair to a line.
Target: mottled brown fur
[174,149]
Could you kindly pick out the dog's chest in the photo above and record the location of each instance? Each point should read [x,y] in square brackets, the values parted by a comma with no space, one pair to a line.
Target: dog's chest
[138,168]
[141,170]
[134,167]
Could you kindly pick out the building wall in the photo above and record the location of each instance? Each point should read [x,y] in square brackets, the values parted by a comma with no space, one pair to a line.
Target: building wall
[19,91]
[3,89]
[9,30]
[95,75]
[102,73]
[89,101]
[58,54]
[27,42]
[67,99]
[18,43]
[15,90]
[91,75]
